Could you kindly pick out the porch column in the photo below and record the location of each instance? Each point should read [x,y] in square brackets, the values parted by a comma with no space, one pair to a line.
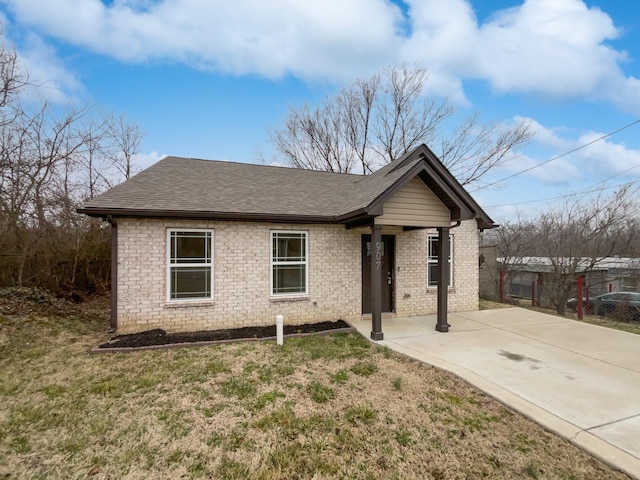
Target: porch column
[376,282]
[443,278]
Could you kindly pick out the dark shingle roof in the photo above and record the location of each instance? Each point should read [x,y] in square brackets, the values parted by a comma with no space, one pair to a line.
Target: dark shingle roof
[191,187]
[186,184]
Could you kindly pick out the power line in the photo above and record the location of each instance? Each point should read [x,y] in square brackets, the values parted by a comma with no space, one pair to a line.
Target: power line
[558,156]
[588,189]
[549,199]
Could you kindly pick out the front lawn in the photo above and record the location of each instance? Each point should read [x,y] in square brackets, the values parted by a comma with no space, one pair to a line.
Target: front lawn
[319,407]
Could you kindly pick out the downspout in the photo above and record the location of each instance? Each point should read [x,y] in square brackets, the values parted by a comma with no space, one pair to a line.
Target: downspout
[113,322]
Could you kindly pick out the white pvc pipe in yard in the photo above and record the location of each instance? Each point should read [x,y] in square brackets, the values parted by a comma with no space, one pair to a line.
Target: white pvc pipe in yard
[279,329]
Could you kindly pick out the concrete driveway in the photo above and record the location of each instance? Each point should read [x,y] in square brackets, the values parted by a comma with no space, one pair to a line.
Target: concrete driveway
[578,380]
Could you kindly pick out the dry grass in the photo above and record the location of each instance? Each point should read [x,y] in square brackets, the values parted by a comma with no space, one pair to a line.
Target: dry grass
[486,304]
[319,407]
[631,327]
[603,321]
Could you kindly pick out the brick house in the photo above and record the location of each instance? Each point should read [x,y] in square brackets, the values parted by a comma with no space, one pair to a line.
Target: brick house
[201,244]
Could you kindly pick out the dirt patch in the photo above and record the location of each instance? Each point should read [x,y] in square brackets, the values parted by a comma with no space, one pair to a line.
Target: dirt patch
[160,337]
[25,301]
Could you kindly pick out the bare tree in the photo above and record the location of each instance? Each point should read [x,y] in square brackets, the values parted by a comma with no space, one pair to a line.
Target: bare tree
[312,139]
[378,119]
[35,190]
[573,238]
[92,157]
[476,148]
[125,138]
[404,117]
[514,240]
[13,79]
[51,159]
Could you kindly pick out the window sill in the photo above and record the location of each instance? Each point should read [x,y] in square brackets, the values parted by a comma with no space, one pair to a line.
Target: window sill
[292,298]
[188,303]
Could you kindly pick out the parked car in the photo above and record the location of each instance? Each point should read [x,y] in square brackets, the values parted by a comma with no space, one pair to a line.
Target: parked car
[587,304]
[621,305]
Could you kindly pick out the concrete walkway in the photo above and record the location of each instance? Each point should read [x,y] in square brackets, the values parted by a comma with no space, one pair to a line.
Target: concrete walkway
[578,380]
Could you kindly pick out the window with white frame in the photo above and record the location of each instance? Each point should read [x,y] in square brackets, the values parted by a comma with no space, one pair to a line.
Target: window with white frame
[432,260]
[289,262]
[190,264]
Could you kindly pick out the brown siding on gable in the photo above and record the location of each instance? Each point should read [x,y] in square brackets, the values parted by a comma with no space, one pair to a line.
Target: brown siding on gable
[414,205]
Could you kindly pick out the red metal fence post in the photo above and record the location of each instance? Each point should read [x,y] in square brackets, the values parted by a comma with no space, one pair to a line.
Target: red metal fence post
[610,287]
[501,286]
[579,297]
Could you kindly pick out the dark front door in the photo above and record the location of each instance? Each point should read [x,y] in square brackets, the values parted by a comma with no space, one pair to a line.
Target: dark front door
[387,251]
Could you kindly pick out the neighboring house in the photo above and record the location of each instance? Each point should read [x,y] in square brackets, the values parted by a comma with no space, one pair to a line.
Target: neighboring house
[526,274]
[201,244]
[622,275]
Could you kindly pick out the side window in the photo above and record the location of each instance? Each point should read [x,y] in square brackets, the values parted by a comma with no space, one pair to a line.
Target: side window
[190,265]
[289,262]
[432,260]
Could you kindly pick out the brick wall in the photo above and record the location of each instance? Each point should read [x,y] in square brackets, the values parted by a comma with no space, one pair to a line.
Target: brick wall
[413,297]
[242,276]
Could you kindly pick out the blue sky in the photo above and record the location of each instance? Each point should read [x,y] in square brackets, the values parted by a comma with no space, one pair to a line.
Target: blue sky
[208,79]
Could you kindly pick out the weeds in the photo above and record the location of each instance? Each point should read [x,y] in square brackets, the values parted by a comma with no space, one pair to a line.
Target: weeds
[240,387]
[404,437]
[340,377]
[320,393]
[532,470]
[364,369]
[397,383]
[232,470]
[360,414]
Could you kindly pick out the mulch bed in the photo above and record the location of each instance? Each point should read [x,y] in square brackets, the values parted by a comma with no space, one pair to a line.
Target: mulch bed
[158,338]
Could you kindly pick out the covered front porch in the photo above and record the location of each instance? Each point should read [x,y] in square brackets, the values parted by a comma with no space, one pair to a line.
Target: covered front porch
[413,193]
[380,273]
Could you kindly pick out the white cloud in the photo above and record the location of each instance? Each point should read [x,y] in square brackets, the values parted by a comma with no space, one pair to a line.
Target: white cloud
[607,158]
[548,46]
[624,93]
[48,76]
[145,160]
[597,161]
[310,39]
[551,48]
[545,47]
[561,171]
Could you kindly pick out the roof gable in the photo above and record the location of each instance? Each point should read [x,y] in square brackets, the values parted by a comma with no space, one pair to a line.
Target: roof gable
[423,163]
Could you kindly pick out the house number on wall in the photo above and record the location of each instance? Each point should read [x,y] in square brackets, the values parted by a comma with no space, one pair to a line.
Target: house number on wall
[378,255]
